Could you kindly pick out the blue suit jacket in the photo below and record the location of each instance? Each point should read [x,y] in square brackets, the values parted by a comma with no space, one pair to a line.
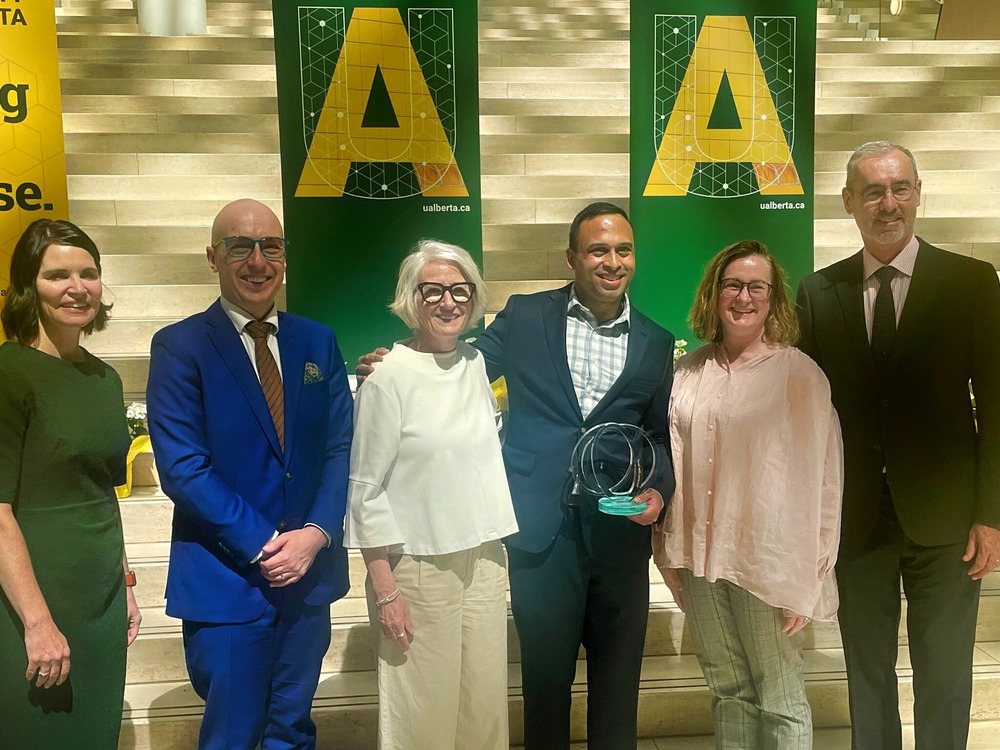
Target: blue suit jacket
[526,343]
[220,462]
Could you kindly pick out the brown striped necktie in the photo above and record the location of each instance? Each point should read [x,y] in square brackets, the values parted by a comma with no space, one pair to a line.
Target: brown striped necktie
[270,378]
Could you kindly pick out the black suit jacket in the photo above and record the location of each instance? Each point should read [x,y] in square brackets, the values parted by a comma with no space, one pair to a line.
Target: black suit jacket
[526,343]
[917,419]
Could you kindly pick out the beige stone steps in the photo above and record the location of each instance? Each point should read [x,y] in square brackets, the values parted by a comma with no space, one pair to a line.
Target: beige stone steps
[921,46]
[248,72]
[160,240]
[914,72]
[672,699]
[554,124]
[121,212]
[144,42]
[554,143]
[168,56]
[579,34]
[547,186]
[156,268]
[567,79]
[134,372]
[545,90]
[586,59]
[826,105]
[172,124]
[228,106]
[908,121]
[553,48]
[168,299]
[94,86]
[933,89]
[540,211]
[915,140]
[152,187]
[229,165]
[171,143]
[556,164]
[930,57]
[612,106]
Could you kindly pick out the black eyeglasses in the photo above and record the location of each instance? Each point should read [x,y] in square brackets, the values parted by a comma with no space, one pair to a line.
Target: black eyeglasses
[241,248]
[758,290]
[432,293]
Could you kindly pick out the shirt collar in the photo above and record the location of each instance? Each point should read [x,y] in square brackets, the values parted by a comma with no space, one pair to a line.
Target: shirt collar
[241,317]
[576,307]
[903,263]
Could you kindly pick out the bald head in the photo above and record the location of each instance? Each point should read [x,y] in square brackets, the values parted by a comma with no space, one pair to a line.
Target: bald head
[251,283]
[245,217]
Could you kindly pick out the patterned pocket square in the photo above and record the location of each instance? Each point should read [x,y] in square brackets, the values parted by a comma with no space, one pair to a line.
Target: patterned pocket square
[312,374]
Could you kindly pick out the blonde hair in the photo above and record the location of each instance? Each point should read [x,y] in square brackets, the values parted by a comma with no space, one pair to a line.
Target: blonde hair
[781,326]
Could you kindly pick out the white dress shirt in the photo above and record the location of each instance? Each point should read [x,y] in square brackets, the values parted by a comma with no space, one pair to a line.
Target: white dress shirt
[903,263]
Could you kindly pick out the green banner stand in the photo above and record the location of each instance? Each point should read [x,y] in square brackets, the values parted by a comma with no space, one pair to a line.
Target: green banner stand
[378,112]
[722,118]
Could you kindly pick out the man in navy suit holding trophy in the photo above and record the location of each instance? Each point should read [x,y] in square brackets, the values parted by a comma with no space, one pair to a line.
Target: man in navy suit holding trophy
[250,418]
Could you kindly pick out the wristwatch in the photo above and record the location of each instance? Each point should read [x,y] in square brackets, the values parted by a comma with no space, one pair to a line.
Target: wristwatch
[130,578]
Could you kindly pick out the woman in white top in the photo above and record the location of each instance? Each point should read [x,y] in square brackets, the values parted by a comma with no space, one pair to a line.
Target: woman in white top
[427,505]
[749,542]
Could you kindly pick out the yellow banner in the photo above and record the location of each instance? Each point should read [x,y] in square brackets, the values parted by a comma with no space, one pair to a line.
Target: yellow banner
[32,157]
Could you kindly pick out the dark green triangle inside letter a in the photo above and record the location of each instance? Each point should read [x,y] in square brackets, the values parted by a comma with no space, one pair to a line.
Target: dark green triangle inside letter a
[725,116]
[379,112]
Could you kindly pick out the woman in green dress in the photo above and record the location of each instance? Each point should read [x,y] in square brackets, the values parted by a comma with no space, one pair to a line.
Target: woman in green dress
[67,612]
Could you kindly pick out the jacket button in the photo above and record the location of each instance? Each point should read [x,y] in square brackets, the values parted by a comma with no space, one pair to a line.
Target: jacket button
[877,448]
[288,477]
[282,526]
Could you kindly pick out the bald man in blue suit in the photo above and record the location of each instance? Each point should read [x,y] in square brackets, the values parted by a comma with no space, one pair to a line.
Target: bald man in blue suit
[250,418]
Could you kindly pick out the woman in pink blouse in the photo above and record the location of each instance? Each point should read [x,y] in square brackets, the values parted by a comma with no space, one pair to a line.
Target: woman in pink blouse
[749,542]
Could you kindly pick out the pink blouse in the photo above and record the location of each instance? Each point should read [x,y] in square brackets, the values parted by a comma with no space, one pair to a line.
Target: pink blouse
[759,464]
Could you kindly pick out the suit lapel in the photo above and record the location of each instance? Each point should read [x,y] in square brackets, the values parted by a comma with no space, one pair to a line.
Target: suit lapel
[554,326]
[230,347]
[293,367]
[849,293]
[638,341]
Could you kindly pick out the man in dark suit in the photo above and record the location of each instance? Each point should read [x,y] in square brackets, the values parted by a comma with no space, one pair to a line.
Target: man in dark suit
[574,358]
[250,418]
[900,329]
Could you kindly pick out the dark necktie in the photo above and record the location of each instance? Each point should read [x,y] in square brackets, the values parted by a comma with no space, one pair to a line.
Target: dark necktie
[884,318]
[270,378]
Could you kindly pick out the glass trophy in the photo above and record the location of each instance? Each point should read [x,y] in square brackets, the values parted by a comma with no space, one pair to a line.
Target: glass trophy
[614,462]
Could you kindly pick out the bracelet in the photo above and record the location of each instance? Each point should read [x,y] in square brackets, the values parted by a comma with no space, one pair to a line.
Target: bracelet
[130,578]
[390,598]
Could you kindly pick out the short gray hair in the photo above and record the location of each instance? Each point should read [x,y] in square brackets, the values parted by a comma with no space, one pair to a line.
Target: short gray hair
[404,305]
[876,148]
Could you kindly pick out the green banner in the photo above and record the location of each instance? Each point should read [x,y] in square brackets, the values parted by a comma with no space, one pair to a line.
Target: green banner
[378,110]
[722,118]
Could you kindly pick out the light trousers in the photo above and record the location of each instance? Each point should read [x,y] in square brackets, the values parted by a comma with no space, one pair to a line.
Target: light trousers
[449,690]
[754,671]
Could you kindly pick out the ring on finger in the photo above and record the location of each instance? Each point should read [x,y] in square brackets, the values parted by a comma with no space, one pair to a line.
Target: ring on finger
[400,635]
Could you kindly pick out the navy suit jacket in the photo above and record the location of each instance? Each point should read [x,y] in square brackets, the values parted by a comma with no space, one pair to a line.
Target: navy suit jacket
[916,420]
[219,460]
[526,343]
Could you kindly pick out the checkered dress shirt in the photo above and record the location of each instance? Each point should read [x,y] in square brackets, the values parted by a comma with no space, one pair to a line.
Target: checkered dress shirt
[595,352]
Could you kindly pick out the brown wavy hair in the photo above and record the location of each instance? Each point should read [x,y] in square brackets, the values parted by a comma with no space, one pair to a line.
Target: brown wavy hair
[781,326]
[20,311]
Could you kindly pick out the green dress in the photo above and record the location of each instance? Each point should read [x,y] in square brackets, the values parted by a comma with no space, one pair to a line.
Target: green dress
[63,442]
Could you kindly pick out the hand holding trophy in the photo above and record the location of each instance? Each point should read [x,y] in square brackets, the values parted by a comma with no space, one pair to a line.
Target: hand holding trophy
[615,462]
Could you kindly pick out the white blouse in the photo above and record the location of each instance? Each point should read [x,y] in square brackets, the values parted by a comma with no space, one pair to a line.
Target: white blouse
[758,458]
[427,476]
